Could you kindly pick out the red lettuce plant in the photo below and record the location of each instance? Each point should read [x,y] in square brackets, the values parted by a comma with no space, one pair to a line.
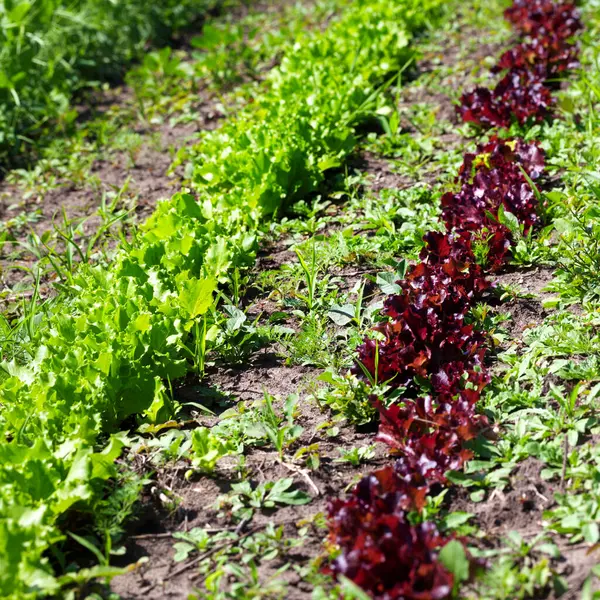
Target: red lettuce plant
[426,342]
[381,551]
[489,179]
[539,18]
[531,68]
[519,96]
[429,435]
[426,328]
[426,347]
[548,58]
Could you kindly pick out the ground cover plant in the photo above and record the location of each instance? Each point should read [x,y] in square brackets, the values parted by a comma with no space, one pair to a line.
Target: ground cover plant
[52,50]
[93,185]
[196,412]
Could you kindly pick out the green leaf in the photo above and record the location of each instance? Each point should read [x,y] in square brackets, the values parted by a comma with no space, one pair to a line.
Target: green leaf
[103,463]
[236,318]
[5,81]
[591,533]
[454,558]
[563,226]
[280,494]
[182,551]
[587,591]
[96,572]
[329,162]
[76,486]
[509,221]
[477,496]
[387,282]
[208,448]
[341,315]
[549,548]
[218,260]
[162,408]
[456,519]
[18,13]
[350,591]
[197,296]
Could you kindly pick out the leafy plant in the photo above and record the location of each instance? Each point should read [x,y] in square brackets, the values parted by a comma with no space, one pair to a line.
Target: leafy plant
[244,499]
[357,455]
[51,50]
[281,432]
[524,94]
[208,448]
[391,556]
[520,569]
[347,395]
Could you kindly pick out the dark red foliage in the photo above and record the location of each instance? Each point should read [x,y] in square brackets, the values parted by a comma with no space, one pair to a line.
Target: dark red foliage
[426,347]
[531,68]
[426,339]
[380,550]
[522,96]
[415,344]
[429,435]
[453,377]
[443,249]
[491,178]
[426,327]
[519,96]
[547,58]
[529,155]
[538,18]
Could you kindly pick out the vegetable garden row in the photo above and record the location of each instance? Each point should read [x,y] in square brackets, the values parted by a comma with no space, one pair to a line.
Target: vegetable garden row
[92,375]
[427,354]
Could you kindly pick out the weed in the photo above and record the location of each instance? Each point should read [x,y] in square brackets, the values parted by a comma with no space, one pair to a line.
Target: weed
[244,499]
[356,456]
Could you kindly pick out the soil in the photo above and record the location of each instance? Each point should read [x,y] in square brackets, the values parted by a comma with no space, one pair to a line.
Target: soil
[266,372]
[380,172]
[518,508]
[160,578]
[148,182]
[532,281]
[525,312]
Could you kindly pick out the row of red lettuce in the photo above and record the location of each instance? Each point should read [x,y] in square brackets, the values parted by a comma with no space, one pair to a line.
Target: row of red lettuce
[426,347]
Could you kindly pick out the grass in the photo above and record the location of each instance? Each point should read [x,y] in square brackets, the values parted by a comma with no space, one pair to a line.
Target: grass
[52,51]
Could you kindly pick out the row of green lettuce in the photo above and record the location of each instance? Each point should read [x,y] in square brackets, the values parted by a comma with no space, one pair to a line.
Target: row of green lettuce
[108,348]
[52,49]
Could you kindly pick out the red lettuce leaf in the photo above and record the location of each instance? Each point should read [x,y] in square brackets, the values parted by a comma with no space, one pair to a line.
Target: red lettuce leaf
[381,551]
[539,18]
